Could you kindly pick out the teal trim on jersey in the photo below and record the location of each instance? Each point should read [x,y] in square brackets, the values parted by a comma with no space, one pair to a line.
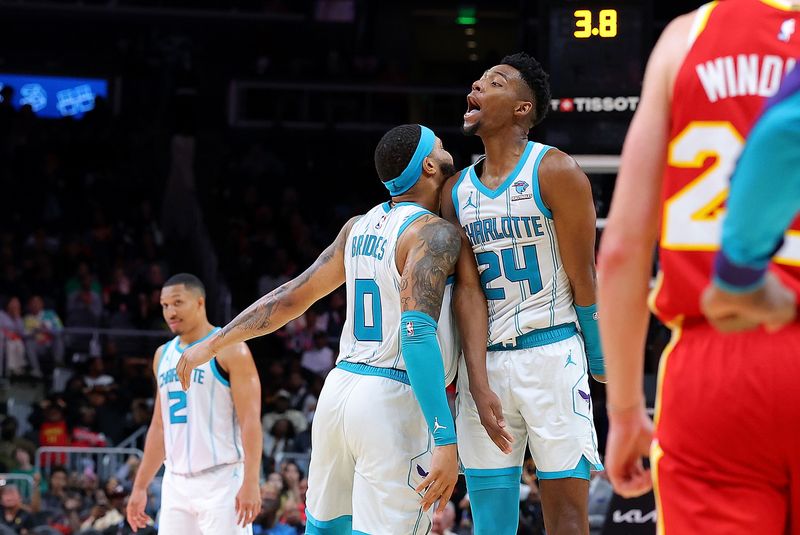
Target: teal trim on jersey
[206,337]
[495,193]
[451,279]
[365,369]
[340,525]
[537,193]
[582,470]
[172,342]
[538,338]
[211,422]
[215,370]
[454,191]
[411,219]
[386,207]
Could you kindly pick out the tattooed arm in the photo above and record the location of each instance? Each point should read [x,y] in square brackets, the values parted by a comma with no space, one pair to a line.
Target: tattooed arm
[431,249]
[428,253]
[275,309]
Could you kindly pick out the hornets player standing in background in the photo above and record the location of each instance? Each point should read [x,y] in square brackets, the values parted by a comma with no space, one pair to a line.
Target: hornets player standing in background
[210,437]
[376,467]
[527,210]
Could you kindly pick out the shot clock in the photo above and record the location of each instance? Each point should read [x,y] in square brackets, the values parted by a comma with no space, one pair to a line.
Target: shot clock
[595,54]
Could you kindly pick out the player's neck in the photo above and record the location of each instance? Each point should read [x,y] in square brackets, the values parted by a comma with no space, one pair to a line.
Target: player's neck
[429,202]
[195,334]
[503,151]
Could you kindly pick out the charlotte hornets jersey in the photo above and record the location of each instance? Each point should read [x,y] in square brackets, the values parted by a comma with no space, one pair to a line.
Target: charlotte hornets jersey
[516,248]
[201,430]
[371,333]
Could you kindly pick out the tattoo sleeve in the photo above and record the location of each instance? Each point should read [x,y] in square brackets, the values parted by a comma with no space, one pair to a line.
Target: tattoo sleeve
[430,260]
[287,302]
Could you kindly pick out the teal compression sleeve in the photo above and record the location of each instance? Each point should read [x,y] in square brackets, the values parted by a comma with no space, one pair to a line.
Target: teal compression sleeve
[423,359]
[587,319]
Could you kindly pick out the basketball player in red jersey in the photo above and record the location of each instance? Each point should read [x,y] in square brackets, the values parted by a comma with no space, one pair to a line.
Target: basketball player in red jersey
[725,456]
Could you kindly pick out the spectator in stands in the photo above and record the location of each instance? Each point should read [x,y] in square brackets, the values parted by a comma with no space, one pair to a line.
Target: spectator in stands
[279,439]
[10,442]
[15,515]
[53,431]
[96,376]
[103,515]
[84,306]
[43,328]
[25,467]
[444,521]
[86,434]
[56,495]
[320,358]
[12,329]
[282,410]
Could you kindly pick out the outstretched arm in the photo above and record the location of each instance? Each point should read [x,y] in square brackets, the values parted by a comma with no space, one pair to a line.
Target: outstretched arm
[275,309]
[625,263]
[566,190]
[430,248]
[471,311]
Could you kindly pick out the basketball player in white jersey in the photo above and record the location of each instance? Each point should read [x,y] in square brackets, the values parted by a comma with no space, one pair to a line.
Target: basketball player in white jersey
[210,437]
[376,468]
[527,211]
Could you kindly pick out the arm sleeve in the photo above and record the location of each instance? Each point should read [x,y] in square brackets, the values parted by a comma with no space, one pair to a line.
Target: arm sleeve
[423,359]
[764,197]
[587,319]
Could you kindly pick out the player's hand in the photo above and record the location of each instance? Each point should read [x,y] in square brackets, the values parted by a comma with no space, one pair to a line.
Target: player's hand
[441,480]
[192,358]
[490,411]
[629,437]
[248,503]
[772,305]
[135,509]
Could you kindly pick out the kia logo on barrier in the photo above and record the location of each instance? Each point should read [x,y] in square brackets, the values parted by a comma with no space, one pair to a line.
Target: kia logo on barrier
[634,516]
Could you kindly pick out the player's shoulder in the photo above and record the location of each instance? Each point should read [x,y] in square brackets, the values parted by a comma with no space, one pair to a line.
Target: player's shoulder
[239,350]
[560,176]
[439,234]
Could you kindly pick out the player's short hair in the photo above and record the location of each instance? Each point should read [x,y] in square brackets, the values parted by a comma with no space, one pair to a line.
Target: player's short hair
[533,74]
[187,279]
[395,150]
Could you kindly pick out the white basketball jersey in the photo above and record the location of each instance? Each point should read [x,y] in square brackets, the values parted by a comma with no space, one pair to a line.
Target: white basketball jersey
[515,245]
[371,333]
[201,430]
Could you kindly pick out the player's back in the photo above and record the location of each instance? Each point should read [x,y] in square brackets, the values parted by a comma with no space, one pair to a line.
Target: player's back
[739,51]
[201,430]
[371,333]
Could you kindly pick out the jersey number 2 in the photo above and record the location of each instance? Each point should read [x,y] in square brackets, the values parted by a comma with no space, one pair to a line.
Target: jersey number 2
[179,398]
[368,324]
[693,216]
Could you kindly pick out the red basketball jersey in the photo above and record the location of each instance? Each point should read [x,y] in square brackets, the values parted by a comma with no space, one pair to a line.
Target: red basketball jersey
[739,51]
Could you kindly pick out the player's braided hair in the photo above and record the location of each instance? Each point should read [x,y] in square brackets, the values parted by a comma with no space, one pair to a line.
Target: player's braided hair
[538,80]
[395,150]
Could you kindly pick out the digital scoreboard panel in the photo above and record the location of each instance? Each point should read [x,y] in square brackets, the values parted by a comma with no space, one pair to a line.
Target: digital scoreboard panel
[595,53]
[54,97]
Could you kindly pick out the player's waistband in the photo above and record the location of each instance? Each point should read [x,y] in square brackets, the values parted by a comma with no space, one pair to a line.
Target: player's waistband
[537,338]
[366,369]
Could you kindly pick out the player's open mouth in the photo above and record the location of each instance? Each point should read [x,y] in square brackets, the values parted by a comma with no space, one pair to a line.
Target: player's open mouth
[473,107]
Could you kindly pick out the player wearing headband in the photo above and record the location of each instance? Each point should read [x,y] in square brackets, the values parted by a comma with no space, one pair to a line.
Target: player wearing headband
[376,467]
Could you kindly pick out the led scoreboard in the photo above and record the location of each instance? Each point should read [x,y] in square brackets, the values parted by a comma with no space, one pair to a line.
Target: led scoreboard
[595,53]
